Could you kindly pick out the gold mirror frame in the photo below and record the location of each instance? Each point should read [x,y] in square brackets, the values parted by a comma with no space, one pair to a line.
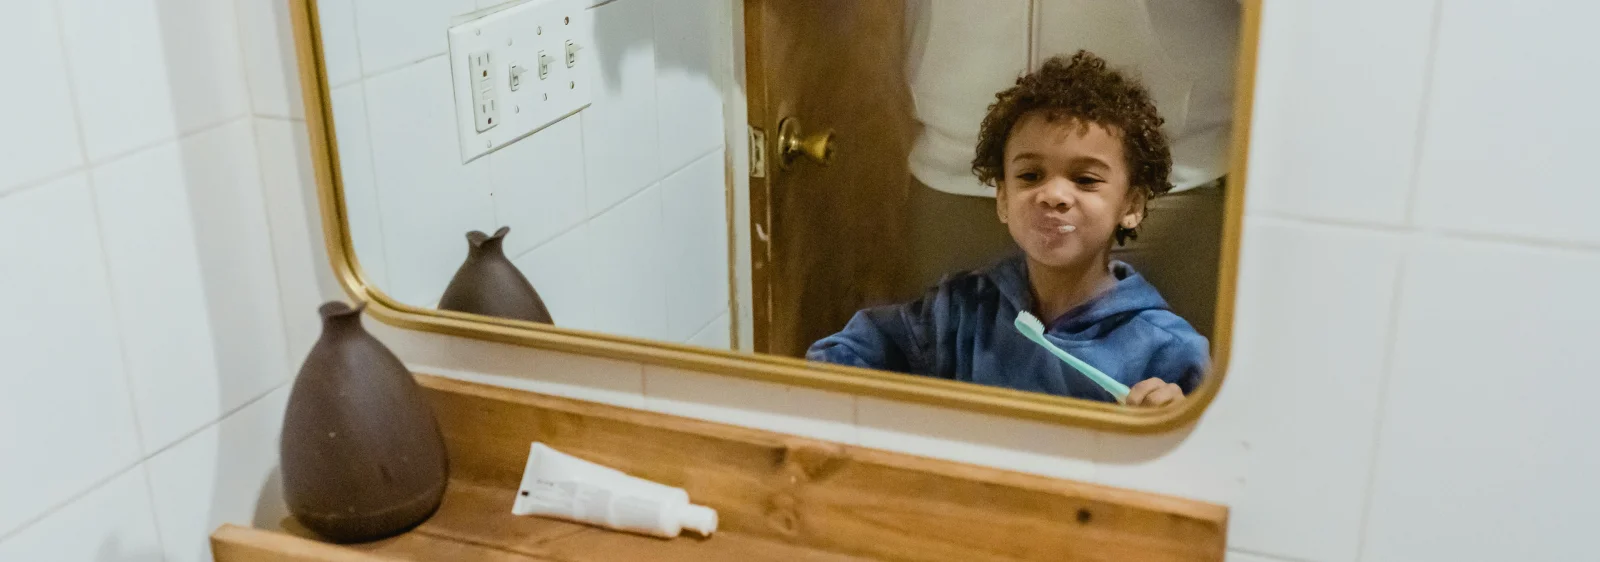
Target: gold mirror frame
[783,370]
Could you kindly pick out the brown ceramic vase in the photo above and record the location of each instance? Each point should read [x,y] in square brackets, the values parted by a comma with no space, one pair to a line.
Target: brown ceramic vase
[362,455]
[490,285]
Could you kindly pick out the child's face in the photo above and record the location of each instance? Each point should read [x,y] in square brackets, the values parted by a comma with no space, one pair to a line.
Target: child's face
[1065,190]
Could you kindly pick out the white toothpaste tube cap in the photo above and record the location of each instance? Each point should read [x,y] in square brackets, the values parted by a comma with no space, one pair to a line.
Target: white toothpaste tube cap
[698,518]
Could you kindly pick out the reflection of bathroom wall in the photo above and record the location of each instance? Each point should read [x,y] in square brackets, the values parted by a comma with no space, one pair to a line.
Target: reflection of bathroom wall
[617,214]
[145,345]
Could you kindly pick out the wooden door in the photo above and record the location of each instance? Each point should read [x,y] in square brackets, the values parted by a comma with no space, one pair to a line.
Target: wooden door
[827,239]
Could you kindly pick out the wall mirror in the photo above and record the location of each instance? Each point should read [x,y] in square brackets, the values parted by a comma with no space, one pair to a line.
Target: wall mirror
[862,196]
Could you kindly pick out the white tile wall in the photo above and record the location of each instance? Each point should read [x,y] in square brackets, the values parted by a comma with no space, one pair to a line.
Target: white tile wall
[140,285]
[560,374]
[560,271]
[118,43]
[718,334]
[305,279]
[619,128]
[358,182]
[687,96]
[594,213]
[111,522]
[1239,556]
[149,235]
[65,417]
[223,180]
[538,186]
[340,49]
[394,33]
[695,245]
[224,474]
[40,137]
[205,64]
[975,438]
[428,200]
[1489,170]
[1354,141]
[1483,453]
[801,411]
[1341,335]
[626,266]
[267,37]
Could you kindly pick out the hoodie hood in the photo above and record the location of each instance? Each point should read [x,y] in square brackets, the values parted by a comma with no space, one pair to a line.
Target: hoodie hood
[1129,296]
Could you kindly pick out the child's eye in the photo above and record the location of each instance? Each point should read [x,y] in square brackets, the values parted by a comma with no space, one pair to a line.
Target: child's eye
[1029,177]
[1087,182]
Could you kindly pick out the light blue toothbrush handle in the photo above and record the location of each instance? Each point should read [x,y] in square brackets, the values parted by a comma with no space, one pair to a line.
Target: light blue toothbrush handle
[1117,389]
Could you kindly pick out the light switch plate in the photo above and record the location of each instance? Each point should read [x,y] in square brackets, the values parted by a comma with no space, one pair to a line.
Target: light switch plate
[543,93]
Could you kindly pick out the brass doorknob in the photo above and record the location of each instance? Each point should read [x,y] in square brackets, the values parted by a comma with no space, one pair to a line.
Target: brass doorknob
[792,143]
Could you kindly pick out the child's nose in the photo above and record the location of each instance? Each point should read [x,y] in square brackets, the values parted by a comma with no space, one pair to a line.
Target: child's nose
[1057,194]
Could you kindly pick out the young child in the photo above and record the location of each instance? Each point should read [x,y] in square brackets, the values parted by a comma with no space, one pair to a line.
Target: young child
[1075,151]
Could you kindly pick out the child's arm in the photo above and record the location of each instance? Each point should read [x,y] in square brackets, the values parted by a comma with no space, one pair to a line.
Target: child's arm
[868,341]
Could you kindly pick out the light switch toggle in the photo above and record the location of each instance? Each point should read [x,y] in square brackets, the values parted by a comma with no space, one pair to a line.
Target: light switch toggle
[572,54]
[516,76]
[544,65]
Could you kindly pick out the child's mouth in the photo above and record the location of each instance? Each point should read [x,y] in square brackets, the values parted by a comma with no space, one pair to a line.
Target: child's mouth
[1057,228]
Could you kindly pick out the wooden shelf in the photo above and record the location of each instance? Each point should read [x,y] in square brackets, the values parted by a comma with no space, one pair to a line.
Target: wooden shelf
[779,498]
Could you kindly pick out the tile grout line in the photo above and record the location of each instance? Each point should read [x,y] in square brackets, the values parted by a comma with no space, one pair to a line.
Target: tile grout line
[88,166]
[552,238]
[150,490]
[332,125]
[1387,373]
[261,180]
[652,183]
[220,418]
[1260,554]
[1520,240]
[708,323]
[372,173]
[286,118]
[78,496]
[272,244]
[1413,194]
[244,62]
[111,295]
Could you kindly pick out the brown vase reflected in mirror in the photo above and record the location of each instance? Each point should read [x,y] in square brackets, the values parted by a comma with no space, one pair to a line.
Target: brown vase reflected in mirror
[490,285]
[362,455]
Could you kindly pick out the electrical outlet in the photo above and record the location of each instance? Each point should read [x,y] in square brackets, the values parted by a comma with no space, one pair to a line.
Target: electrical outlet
[524,58]
[485,102]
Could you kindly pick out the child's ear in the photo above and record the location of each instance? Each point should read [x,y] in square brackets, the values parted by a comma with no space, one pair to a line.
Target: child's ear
[1134,214]
[1000,201]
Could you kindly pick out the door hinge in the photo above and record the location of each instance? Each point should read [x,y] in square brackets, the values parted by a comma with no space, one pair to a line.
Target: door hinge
[758,153]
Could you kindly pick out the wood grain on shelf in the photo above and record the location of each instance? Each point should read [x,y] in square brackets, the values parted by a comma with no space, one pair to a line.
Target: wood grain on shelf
[820,495]
[239,544]
[778,497]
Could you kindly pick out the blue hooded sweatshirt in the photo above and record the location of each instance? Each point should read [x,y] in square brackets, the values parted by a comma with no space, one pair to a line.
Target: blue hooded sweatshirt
[963,330]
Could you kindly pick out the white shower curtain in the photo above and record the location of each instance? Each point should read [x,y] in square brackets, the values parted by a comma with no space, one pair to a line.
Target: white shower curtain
[964,51]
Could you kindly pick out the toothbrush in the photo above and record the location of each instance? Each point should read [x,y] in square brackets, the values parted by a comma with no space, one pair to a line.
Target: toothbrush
[1034,330]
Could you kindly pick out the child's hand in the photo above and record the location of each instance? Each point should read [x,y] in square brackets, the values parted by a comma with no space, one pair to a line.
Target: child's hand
[1154,392]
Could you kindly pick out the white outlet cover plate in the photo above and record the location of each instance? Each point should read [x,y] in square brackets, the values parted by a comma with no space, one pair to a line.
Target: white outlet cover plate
[515,35]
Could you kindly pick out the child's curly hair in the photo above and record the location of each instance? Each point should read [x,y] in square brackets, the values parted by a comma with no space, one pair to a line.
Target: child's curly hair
[1085,90]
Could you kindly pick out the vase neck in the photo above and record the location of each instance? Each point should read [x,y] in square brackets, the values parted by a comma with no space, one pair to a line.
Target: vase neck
[340,317]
